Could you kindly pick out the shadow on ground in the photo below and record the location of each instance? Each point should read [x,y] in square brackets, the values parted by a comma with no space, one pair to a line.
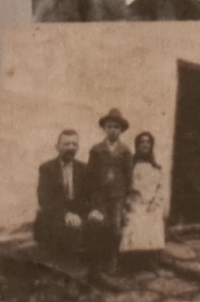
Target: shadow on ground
[31,274]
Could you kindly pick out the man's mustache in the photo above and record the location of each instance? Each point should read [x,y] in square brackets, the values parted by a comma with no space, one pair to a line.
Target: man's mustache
[69,152]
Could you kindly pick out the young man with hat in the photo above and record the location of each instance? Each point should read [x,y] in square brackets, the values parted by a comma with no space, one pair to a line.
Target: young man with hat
[110,166]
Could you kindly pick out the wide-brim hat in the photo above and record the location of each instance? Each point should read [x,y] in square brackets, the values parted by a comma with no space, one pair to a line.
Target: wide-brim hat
[114,115]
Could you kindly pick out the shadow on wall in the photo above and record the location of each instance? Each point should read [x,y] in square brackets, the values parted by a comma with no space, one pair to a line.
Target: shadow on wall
[114,10]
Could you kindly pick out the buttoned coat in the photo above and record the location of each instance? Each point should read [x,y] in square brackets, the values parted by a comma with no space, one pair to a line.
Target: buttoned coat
[104,164]
[53,200]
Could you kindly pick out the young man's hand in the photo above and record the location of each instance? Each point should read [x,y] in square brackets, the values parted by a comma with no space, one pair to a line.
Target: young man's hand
[72,220]
[95,215]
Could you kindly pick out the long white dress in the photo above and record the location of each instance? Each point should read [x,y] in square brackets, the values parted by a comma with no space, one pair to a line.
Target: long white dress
[144,228]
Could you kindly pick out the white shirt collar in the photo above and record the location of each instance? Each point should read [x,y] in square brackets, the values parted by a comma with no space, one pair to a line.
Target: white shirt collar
[113,146]
[64,164]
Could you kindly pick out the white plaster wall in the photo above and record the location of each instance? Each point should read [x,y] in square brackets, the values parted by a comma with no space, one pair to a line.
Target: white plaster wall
[59,76]
[13,12]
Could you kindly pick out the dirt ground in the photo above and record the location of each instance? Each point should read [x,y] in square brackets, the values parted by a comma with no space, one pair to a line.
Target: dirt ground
[28,282]
[27,275]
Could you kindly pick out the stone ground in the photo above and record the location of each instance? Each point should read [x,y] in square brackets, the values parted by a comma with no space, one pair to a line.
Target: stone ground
[28,276]
[34,284]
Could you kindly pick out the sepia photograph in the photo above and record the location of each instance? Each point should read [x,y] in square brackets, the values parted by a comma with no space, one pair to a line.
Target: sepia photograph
[114,10]
[100,163]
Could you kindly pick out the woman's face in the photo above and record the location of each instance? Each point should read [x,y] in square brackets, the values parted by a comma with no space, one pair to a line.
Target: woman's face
[144,145]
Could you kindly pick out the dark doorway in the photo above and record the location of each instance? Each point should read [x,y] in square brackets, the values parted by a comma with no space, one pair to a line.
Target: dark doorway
[186,162]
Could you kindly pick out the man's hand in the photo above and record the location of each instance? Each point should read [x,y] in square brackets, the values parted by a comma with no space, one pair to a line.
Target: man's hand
[73,220]
[95,215]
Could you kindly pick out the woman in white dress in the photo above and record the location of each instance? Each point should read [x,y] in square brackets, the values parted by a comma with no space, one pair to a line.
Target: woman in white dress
[144,229]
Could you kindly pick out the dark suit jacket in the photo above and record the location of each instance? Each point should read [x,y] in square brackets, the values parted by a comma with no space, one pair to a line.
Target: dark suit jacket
[52,198]
[101,163]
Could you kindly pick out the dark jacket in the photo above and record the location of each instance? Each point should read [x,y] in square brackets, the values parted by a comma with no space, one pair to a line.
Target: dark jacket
[52,198]
[102,164]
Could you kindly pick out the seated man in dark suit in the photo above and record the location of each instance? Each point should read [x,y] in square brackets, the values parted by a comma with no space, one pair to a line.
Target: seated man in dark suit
[62,197]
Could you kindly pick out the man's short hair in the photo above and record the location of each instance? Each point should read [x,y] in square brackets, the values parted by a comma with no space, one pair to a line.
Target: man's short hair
[68,132]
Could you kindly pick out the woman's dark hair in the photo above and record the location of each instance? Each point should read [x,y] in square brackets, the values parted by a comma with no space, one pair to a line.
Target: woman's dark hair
[149,157]
[145,133]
